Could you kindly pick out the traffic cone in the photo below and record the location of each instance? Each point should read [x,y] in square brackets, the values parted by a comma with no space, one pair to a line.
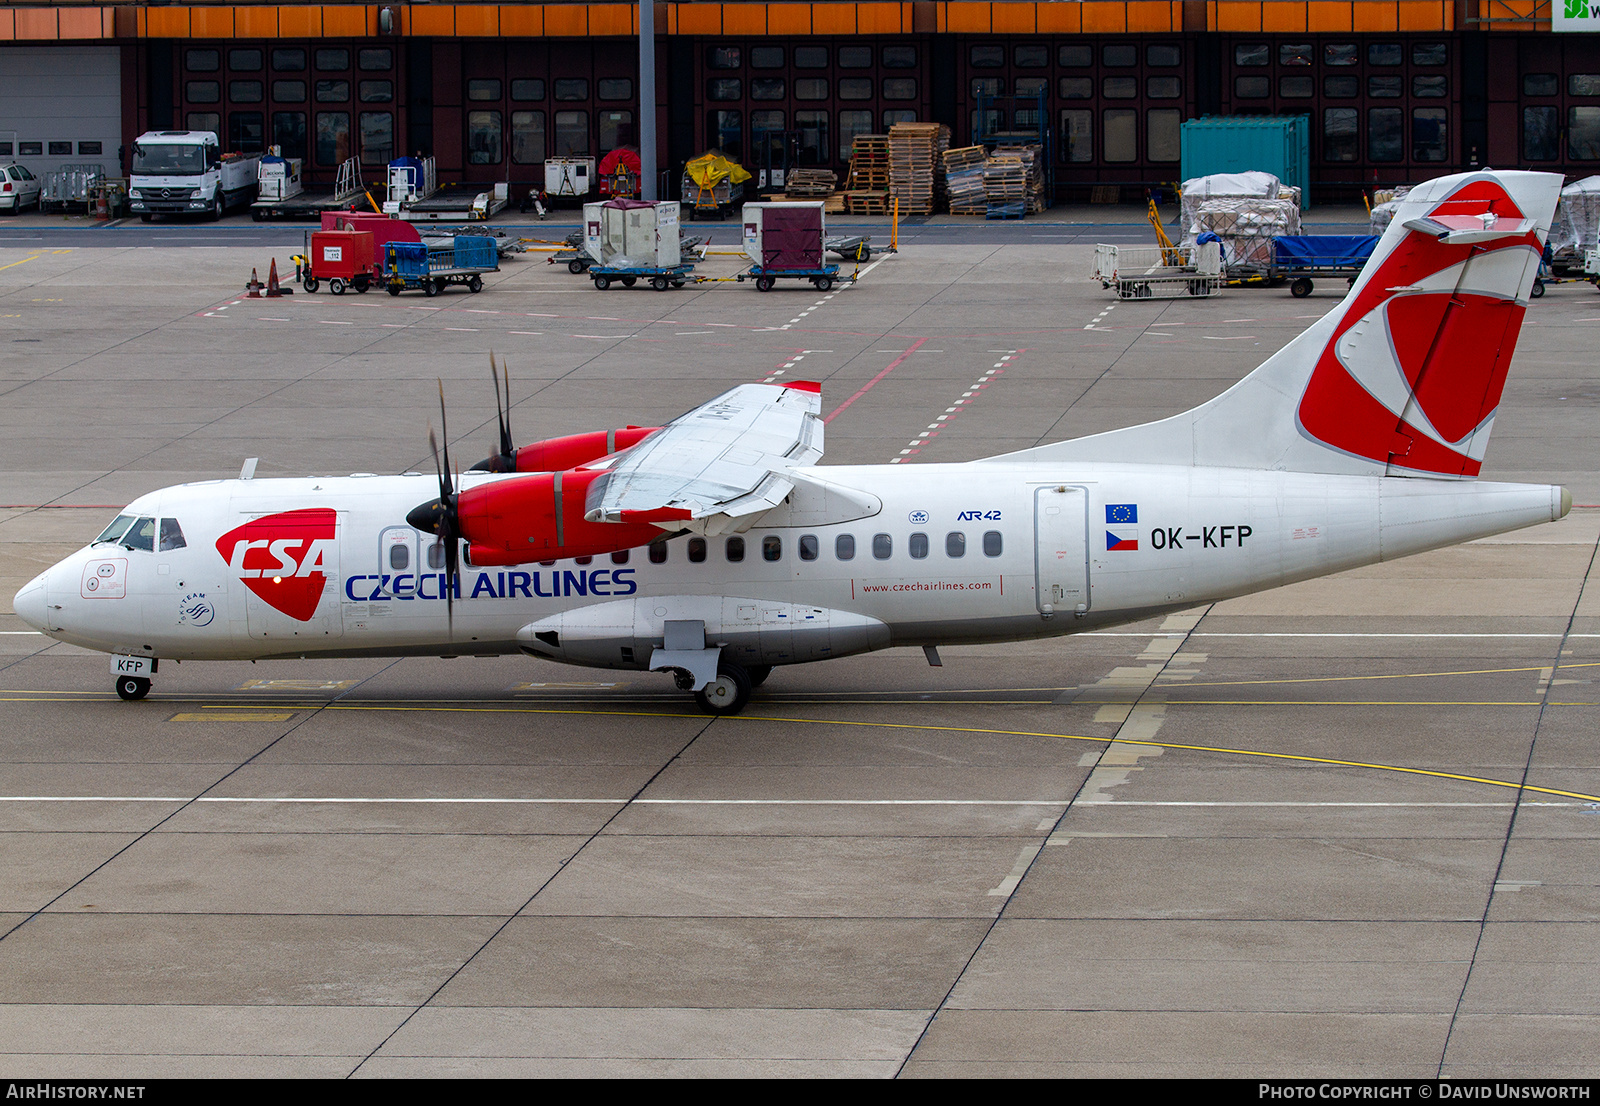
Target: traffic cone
[273,291]
[254,287]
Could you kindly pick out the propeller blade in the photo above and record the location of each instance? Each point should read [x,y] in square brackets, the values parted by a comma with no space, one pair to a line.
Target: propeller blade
[503,414]
[445,471]
[447,522]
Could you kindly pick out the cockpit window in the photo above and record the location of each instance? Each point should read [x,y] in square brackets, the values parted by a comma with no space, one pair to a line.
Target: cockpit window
[118,527]
[141,535]
[172,535]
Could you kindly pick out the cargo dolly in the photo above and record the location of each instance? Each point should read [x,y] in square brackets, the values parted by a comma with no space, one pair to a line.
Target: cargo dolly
[823,276]
[660,278]
[434,264]
[1298,258]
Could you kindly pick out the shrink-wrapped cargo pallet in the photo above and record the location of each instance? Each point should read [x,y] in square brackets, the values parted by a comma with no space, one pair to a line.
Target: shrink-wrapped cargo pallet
[1385,202]
[1005,184]
[963,170]
[1247,227]
[1573,232]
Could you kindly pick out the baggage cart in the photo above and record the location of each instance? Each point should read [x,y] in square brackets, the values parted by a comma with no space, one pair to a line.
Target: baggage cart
[851,247]
[1298,258]
[1159,272]
[658,277]
[432,264]
[823,277]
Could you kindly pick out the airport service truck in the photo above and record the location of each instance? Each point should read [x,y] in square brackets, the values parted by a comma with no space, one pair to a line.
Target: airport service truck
[186,173]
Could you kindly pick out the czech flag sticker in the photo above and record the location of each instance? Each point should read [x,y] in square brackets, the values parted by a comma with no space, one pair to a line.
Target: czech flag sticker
[1121,539]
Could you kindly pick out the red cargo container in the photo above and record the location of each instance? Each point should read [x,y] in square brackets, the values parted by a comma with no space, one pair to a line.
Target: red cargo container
[384,229]
[343,258]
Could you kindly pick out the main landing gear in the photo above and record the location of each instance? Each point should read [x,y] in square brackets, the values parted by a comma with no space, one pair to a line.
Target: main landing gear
[729,693]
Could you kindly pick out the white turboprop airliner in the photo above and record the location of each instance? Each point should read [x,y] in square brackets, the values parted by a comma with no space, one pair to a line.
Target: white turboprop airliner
[714,548]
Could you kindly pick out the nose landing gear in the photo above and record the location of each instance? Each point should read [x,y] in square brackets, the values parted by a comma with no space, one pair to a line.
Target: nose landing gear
[132,687]
[133,676]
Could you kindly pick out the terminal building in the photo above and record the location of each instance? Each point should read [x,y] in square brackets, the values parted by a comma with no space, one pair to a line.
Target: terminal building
[1396,90]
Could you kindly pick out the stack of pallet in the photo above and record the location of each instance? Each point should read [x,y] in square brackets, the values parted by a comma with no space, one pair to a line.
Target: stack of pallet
[1033,160]
[915,167]
[867,185]
[1005,184]
[963,170]
[810,184]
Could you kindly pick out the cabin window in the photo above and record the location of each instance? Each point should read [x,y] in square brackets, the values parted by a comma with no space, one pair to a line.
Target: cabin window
[955,544]
[992,544]
[882,546]
[620,557]
[808,547]
[735,549]
[844,547]
[583,560]
[436,555]
[771,547]
[658,552]
[172,535]
[399,556]
[697,550]
[917,546]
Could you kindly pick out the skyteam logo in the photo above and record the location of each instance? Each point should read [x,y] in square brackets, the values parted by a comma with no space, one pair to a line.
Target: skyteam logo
[196,610]
[1121,537]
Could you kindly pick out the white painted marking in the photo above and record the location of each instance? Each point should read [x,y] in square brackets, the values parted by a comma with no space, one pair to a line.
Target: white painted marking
[352,800]
[1018,870]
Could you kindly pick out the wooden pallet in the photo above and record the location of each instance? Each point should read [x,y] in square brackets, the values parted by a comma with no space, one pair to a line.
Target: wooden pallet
[866,203]
[810,184]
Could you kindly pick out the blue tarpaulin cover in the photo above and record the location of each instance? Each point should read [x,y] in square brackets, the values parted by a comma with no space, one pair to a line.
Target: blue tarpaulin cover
[1323,251]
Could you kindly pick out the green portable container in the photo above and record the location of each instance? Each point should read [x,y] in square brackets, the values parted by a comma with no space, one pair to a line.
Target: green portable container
[1276,144]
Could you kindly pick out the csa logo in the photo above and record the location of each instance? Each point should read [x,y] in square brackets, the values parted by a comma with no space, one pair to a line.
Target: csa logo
[283,558]
[195,610]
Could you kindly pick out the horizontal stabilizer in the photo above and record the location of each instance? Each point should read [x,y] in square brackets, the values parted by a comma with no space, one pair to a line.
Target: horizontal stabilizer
[1465,230]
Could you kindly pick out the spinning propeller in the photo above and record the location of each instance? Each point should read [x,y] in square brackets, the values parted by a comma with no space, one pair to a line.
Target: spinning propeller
[506,459]
[440,516]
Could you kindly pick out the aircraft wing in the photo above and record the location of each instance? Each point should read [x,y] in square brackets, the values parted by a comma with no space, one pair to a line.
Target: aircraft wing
[718,467]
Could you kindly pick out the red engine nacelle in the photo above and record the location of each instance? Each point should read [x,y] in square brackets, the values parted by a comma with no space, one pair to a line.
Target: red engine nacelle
[559,454]
[539,517]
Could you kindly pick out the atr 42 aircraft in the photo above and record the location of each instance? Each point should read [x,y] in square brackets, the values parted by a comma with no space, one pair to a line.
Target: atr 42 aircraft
[715,548]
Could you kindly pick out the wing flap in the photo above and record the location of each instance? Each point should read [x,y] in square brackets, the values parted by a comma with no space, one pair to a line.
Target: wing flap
[721,463]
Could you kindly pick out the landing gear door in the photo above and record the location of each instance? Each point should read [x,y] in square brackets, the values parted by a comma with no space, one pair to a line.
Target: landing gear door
[1061,549]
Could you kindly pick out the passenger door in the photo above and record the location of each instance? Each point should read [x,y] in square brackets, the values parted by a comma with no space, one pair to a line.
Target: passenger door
[1061,549]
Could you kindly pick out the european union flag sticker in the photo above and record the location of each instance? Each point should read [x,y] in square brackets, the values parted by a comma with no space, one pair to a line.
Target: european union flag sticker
[1123,513]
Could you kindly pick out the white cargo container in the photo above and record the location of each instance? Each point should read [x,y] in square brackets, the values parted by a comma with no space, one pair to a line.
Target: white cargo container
[280,178]
[569,176]
[632,234]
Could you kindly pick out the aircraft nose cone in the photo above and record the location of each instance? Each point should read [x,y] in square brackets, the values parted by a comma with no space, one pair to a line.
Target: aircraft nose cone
[427,516]
[29,603]
[498,463]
